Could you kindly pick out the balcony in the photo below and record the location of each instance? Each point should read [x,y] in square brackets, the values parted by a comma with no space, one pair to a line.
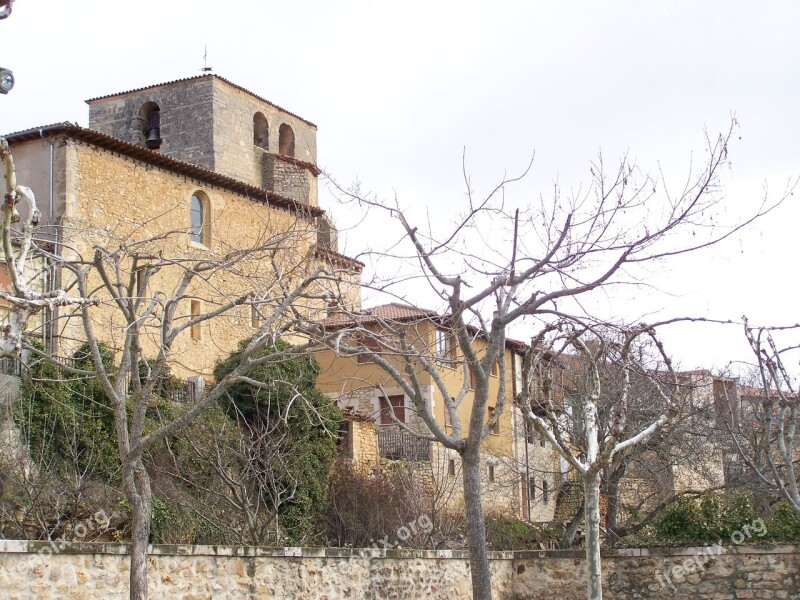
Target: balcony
[394,444]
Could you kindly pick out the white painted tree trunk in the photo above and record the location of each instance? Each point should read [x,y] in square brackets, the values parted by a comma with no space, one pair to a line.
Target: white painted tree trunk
[591,491]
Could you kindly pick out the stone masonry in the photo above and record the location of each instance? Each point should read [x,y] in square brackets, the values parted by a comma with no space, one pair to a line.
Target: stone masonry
[34,570]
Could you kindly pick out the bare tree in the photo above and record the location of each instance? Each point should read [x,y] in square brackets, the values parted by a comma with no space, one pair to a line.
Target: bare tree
[23,299]
[142,296]
[495,268]
[600,440]
[764,425]
[644,479]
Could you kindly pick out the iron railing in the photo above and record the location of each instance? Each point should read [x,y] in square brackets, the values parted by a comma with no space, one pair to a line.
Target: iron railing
[10,366]
[396,444]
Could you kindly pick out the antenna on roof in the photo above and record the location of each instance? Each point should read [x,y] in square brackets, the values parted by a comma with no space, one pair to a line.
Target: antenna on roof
[206,68]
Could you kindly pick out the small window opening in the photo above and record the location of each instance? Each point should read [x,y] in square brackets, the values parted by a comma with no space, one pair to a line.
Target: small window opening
[451,467]
[286,140]
[545,492]
[195,312]
[396,404]
[448,419]
[140,275]
[370,344]
[198,222]
[491,473]
[150,115]
[532,488]
[260,131]
[445,345]
[495,430]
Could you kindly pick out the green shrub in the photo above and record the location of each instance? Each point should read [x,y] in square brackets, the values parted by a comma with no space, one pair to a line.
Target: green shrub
[305,419]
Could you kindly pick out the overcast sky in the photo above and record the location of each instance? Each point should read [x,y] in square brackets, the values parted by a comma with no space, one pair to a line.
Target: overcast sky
[400,90]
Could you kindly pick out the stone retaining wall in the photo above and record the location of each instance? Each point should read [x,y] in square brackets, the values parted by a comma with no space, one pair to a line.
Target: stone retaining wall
[37,570]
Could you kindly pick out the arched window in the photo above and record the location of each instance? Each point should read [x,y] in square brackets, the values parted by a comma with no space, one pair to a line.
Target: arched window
[286,140]
[260,131]
[200,228]
[150,118]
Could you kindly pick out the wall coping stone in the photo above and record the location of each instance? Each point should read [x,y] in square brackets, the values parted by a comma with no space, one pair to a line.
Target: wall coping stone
[33,546]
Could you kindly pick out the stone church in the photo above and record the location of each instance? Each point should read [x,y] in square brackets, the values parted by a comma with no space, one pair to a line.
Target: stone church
[197,168]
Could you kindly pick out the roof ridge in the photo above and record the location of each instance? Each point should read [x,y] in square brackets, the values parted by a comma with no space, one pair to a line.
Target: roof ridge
[132,150]
[194,78]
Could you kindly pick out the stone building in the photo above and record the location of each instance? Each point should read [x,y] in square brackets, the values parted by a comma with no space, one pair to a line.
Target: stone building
[359,385]
[197,168]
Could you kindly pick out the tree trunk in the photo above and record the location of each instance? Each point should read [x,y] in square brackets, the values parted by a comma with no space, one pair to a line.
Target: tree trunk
[476,527]
[591,492]
[137,488]
[572,528]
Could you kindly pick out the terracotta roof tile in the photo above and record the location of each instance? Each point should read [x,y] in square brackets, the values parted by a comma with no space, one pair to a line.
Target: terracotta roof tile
[163,161]
[395,312]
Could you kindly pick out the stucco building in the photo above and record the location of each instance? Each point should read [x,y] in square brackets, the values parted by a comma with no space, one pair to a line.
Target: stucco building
[511,455]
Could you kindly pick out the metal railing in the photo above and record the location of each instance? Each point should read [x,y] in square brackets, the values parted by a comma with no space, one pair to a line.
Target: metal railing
[395,444]
[186,394]
[10,366]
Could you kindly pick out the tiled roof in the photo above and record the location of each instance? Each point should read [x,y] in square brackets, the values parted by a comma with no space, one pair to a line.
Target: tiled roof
[157,159]
[335,257]
[196,77]
[395,312]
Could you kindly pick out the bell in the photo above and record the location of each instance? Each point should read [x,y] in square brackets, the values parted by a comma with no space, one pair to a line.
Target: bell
[153,139]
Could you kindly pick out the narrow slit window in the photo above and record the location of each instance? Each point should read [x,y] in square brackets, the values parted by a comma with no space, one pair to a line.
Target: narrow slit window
[198,219]
[195,312]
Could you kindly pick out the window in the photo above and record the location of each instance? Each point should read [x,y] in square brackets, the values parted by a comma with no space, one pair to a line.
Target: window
[496,429]
[344,438]
[545,492]
[260,131]
[451,467]
[496,367]
[470,377]
[396,404]
[371,345]
[140,277]
[286,140]
[445,346]
[195,312]
[448,420]
[491,473]
[255,316]
[530,433]
[198,219]
[532,488]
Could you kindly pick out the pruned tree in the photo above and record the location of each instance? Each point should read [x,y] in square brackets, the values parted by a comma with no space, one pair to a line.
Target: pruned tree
[143,291]
[764,425]
[642,480]
[495,268]
[23,299]
[590,448]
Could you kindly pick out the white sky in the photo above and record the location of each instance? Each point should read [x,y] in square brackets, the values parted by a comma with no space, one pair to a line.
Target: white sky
[400,89]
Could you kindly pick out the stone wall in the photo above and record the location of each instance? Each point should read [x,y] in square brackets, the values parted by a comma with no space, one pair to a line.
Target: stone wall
[112,198]
[32,570]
